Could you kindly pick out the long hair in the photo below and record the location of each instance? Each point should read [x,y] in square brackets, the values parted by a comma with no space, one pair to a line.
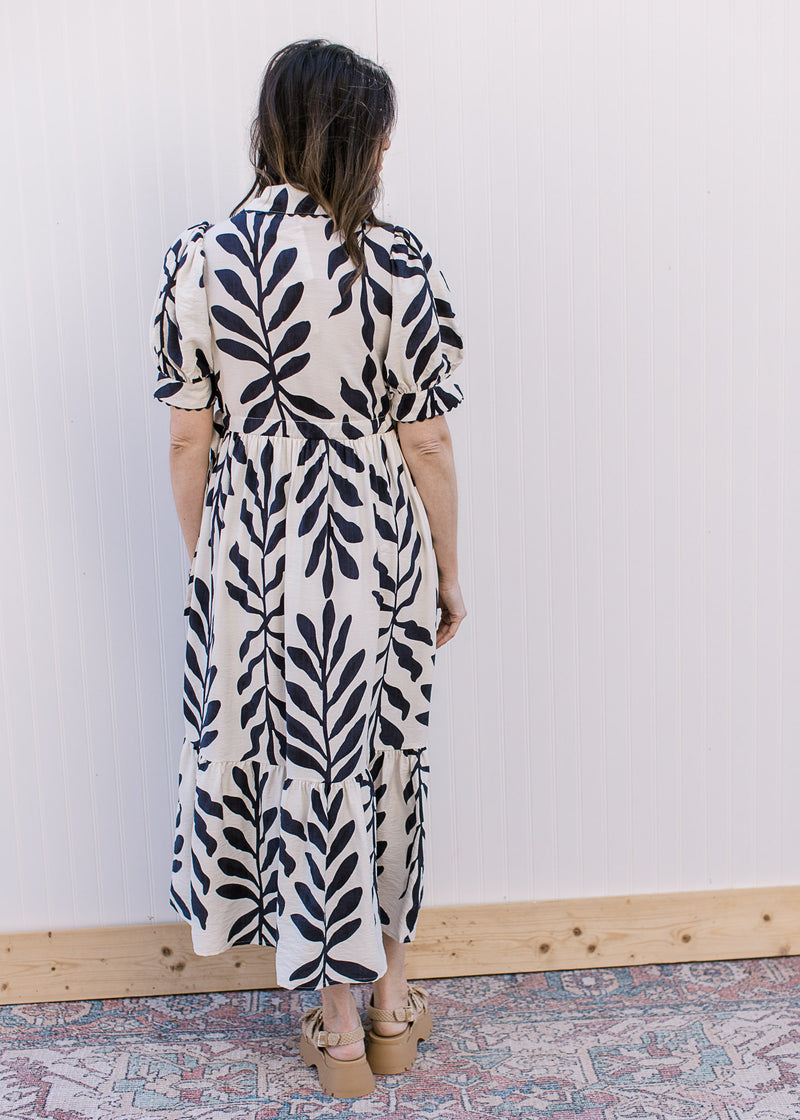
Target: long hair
[323,114]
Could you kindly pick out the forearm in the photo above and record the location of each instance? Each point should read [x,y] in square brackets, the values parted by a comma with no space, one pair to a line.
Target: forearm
[434,473]
[188,468]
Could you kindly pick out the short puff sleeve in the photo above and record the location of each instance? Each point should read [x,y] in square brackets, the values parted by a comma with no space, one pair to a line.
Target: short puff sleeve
[180,332]
[425,343]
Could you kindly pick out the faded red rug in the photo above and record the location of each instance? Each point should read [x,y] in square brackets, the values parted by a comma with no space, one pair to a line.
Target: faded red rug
[716,1041]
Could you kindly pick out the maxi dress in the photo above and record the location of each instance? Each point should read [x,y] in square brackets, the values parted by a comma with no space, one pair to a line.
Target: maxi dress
[311,597]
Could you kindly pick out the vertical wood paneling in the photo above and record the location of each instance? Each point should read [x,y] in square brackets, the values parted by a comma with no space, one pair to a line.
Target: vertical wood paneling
[770,434]
[610,190]
[788,214]
[638,316]
[667,70]
[613,468]
[719,356]
[584,264]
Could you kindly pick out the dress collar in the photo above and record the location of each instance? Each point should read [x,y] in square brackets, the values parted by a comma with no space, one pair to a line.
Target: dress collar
[283,198]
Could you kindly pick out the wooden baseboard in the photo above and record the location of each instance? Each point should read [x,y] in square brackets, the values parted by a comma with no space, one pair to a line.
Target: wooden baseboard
[451,941]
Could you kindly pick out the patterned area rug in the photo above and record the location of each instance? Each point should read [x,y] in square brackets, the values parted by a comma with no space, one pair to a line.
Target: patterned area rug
[717,1041]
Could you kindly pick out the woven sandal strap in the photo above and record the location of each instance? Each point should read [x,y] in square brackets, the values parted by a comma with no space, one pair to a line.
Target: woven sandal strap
[396,1015]
[417,1002]
[313,1030]
[330,1038]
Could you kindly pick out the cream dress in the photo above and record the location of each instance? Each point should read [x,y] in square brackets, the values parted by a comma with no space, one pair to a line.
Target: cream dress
[311,602]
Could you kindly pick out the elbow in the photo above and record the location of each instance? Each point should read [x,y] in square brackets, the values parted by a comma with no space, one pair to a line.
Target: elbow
[190,431]
[182,444]
[429,447]
[425,438]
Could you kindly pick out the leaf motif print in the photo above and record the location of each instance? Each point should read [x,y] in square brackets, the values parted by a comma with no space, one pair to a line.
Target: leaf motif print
[241,351]
[405,639]
[283,263]
[305,405]
[347,491]
[178,855]
[254,335]
[311,609]
[232,283]
[288,369]
[355,398]
[269,294]
[381,297]
[200,671]
[345,293]
[263,516]
[328,713]
[397,699]
[179,333]
[249,867]
[367,318]
[382,256]
[334,533]
[231,244]
[425,344]
[328,909]
[364,401]
[294,338]
[233,322]
[400,782]
[201,707]
[289,301]
[336,258]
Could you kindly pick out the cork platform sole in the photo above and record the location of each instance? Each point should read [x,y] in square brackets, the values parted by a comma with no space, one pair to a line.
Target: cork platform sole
[338,1077]
[342,1079]
[396,1053]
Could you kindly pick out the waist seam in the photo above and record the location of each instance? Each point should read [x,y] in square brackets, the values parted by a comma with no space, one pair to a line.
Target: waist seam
[237,423]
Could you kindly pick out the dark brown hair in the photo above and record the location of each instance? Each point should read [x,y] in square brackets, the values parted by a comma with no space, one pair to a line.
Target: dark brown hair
[323,114]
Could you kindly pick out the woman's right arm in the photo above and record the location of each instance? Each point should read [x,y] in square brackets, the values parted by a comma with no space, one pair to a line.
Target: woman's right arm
[428,451]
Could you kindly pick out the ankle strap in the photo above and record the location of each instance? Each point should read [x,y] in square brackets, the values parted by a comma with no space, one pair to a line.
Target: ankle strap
[314,1031]
[330,1038]
[416,1003]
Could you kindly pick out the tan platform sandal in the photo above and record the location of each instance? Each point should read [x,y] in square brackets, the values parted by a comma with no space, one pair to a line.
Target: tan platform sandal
[338,1077]
[395,1053]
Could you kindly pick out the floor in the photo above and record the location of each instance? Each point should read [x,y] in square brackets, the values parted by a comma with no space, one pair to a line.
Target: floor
[661,1042]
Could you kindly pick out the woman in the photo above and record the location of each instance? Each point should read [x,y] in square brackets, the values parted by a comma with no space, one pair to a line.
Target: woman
[307,351]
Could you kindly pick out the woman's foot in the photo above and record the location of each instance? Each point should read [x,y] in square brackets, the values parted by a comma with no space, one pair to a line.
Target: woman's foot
[339,1015]
[389,993]
[391,990]
[342,1073]
[395,1032]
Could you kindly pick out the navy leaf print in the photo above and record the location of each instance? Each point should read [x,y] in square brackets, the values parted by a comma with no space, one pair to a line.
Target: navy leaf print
[310,612]
[355,398]
[232,283]
[283,264]
[289,369]
[293,339]
[231,244]
[309,901]
[241,351]
[289,301]
[233,322]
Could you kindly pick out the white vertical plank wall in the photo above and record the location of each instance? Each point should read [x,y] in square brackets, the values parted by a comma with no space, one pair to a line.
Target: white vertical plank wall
[611,189]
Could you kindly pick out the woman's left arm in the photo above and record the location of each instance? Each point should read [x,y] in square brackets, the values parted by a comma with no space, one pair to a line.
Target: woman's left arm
[190,434]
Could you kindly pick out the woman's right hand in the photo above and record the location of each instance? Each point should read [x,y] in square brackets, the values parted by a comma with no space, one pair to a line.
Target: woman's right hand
[451,602]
